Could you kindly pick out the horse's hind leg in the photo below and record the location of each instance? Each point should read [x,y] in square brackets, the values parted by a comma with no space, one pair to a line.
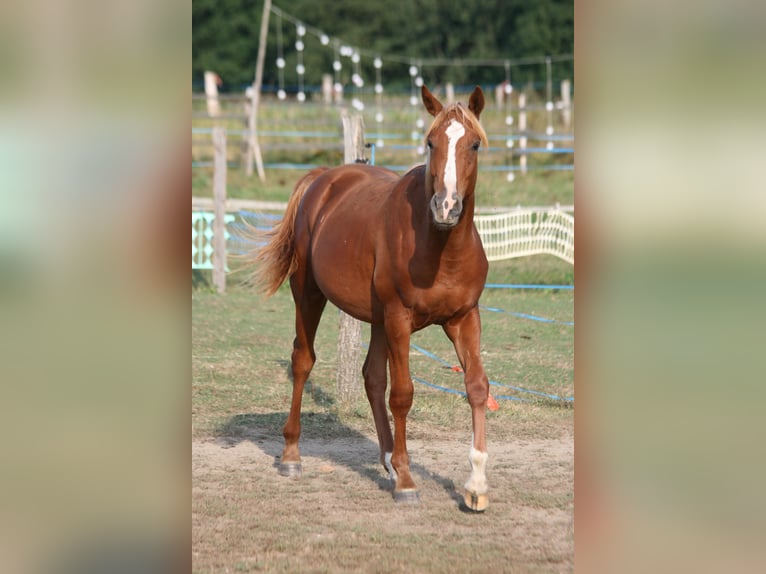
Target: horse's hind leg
[309,304]
[374,372]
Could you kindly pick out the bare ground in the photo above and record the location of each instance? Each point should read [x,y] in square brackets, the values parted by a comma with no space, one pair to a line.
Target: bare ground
[340,515]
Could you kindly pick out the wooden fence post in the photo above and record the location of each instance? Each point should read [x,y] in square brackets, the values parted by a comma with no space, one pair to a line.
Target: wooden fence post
[349,329]
[449,92]
[327,89]
[212,81]
[566,102]
[253,147]
[523,132]
[219,198]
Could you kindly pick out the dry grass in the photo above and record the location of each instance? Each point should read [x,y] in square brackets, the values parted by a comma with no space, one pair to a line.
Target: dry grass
[340,516]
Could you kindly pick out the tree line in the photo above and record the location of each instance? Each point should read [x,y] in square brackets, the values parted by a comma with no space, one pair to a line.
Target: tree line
[225,39]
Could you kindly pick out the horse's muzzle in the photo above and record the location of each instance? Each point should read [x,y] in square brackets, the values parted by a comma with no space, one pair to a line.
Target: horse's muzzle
[446,210]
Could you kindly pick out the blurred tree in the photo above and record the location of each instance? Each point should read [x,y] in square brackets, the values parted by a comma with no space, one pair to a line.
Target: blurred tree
[225,38]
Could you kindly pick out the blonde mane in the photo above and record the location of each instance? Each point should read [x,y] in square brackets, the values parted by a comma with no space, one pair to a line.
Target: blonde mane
[463,115]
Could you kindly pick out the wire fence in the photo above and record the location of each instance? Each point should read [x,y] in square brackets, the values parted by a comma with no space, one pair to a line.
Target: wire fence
[525,133]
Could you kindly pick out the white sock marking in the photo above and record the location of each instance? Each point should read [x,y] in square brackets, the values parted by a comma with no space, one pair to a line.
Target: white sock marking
[477,482]
[390,467]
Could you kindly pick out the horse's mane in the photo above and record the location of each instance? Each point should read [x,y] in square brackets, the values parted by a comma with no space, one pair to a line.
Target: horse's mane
[464,115]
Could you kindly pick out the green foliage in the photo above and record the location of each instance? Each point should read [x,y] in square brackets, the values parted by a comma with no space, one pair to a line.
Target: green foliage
[225,37]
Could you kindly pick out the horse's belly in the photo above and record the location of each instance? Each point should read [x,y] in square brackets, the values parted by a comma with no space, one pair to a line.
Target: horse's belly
[342,262]
[355,302]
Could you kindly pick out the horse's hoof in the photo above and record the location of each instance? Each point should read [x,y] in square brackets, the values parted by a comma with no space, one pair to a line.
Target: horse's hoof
[406,496]
[476,502]
[291,469]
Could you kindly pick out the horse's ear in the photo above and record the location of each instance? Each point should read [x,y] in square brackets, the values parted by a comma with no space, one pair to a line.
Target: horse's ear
[476,102]
[433,105]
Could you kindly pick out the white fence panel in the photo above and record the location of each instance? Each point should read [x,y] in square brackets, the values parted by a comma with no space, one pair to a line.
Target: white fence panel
[523,232]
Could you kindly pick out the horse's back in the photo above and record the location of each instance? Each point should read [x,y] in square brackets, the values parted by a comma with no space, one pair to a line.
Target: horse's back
[347,188]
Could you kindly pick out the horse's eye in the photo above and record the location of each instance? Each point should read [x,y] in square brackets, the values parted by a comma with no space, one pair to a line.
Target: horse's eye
[430,144]
[475,146]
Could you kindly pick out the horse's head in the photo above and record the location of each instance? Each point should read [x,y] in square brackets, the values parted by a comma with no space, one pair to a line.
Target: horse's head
[453,144]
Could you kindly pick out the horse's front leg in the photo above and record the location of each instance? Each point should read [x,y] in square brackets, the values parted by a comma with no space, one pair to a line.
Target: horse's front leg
[398,326]
[465,334]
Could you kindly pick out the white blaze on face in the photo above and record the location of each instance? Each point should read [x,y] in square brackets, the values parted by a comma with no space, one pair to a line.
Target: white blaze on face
[454,132]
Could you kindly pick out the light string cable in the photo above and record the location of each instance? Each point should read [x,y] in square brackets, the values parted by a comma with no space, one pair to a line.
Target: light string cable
[429,62]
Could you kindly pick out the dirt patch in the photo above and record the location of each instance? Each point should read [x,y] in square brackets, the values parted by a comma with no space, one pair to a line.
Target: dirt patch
[340,515]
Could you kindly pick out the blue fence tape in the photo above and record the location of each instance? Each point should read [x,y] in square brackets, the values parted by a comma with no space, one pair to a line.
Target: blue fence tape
[380,135]
[526,316]
[463,393]
[493,383]
[524,286]
[258,215]
[402,168]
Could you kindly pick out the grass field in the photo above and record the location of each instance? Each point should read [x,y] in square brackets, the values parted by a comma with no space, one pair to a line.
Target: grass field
[242,336]
[340,517]
[541,188]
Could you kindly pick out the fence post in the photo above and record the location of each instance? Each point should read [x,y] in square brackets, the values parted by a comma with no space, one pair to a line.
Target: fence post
[253,147]
[449,91]
[499,95]
[349,329]
[566,102]
[523,132]
[327,89]
[219,198]
[212,81]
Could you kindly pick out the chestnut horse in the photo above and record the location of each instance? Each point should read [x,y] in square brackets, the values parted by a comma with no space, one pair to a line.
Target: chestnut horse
[400,253]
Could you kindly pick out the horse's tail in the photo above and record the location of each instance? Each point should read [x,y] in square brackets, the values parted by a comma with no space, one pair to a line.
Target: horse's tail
[276,261]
